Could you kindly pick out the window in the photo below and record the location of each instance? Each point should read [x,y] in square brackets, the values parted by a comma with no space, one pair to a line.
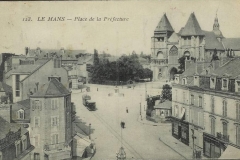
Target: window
[184,81]
[213,126]
[36,156]
[58,78]
[224,128]
[213,82]
[37,121]
[192,99]
[238,86]
[212,105]
[225,108]
[54,104]
[176,110]
[54,139]
[224,83]
[238,135]
[238,111]
[17,85]
[54,121]
[24,144]
[38,104]
[18,148]
[20,114]
[200,101]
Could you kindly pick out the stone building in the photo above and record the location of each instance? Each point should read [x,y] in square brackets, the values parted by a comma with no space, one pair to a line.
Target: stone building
[51,121]
[191,42]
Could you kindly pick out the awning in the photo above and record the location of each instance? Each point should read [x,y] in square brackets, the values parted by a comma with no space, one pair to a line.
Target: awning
[182,113]
[231,153]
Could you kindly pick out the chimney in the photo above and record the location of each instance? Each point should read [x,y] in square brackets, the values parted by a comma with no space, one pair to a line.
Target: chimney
[216,64]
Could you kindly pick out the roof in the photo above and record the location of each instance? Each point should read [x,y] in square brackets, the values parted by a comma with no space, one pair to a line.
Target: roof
[6,127]
[25,105]
[192,27]
[211,41]
[6,88]
[174,37]
[164,105]
[35,69]
[231,43]
[84,59]
[195,68]
[52,88]
[229,68]
[27,69]
[164,25]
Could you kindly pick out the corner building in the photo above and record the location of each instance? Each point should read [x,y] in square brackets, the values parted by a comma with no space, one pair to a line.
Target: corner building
[51,122]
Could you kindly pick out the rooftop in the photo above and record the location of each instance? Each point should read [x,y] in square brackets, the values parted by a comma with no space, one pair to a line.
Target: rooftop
[6,127]
[6,88]
[51,89]
[25,105]
[164,25]
[231,43]
[192,27]
[211,41]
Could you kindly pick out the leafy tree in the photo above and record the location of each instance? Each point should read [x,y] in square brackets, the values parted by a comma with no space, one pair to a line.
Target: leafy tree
[181,62]
[166,92]
[95,58]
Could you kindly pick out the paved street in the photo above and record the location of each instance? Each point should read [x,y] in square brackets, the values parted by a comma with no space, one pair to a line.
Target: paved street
[140,140]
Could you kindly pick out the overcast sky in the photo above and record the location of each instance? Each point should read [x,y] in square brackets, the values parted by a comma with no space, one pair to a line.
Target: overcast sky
[112,37]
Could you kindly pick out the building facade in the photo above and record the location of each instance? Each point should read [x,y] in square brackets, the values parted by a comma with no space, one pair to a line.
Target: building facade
[191,42]
[51,122]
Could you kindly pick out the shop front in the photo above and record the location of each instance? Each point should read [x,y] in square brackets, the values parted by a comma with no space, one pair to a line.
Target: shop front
[180,130]
[212,147]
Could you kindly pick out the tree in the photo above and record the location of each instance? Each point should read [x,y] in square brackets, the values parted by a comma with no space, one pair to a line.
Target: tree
[95,58]
[181,62]
[166,92]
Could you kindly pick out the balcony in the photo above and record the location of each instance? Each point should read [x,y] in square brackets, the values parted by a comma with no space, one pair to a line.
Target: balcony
[222,137]
[58,150]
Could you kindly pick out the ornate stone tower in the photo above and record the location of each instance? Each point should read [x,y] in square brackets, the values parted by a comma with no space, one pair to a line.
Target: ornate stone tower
[159,48]
[216,29]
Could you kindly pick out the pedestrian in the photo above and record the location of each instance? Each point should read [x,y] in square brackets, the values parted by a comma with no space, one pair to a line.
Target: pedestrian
[97,89]
[127,109]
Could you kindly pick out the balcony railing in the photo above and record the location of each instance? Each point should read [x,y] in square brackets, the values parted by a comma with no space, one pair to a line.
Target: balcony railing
[223,137]
[159,61]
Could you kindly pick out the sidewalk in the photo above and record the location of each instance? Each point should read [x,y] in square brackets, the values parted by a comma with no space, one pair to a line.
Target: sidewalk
[176,145]
[150,123]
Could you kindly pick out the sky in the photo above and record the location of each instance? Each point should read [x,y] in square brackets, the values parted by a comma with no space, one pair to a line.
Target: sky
[120,37]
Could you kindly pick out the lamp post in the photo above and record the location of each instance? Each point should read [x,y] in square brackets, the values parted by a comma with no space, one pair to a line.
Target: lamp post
[193,137]
[140,109]
[121,155]
[90,131]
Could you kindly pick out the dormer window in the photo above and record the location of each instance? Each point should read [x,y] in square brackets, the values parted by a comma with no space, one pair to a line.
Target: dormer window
[58,78]
[212,83]
[184,81]
[20,114]
[224,84]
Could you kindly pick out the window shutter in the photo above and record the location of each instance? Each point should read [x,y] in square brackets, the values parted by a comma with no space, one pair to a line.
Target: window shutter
[39,121]
[52,121]
[56,138]
[226,108]
[57,121]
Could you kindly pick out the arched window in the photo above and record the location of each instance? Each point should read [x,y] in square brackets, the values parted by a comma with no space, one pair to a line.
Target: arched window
[160,54]
[20,114]
[225,133]
[224,108]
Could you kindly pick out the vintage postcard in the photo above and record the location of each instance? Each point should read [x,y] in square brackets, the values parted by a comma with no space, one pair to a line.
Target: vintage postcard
[119,80]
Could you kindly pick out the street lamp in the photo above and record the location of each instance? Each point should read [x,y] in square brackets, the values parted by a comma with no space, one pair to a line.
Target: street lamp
[140,109]
[90,131]
[121,155]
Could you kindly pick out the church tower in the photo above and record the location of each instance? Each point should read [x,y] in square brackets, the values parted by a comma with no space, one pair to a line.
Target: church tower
[216,29]
[159,48]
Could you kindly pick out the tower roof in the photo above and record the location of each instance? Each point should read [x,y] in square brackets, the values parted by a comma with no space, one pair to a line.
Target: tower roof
[53,88]
[164,25]
[192,27]
[216,28]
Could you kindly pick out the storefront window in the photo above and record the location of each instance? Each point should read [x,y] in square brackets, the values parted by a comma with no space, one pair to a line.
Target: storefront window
[175,129]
